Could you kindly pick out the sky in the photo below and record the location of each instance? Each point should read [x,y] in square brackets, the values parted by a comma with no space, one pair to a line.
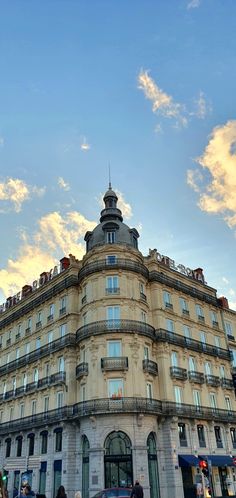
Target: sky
[145,86]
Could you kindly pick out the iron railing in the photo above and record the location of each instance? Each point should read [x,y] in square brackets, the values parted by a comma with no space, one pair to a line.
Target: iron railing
[114,363]
[178,373]
[150,367]
[213,380]
[119,264]
[57,378]
[107,326]
[81,370]
[196,377]
[227,383]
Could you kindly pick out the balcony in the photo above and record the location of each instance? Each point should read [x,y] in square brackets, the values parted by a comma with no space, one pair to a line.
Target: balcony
[38,325]
[18,336]
[81,370]
[169,306]
[27,331]
[143,297]
[107,326]
[112,290]
[114,363]
[227,384]
[183,442]
[50,318]
[62,311]
[121,264]
[54,379]
[212,380]
[84,300]
[185,312]
[230,337]
[150,366]
[178,373]
[179,340]
[201,318]
[66,341]
[8,342]
[196,377]
[215,324]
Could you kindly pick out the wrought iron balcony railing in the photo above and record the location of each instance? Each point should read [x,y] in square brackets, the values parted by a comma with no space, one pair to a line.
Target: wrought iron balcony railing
[120,264]
[50,318]
[28,331]
[113,290]
[81,370]
[201,347]
[227,384]
[57,378]
[114,363]
[62,311]
[185,312]
[178,373]
[201,318]
[106,326]
[213,380]
[66,341]
[169,306]
[196,377]
[38,325]
[143,297]
[150,367]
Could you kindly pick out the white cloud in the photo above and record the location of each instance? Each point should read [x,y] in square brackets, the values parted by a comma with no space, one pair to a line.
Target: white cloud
[16,192]
[1,141]
[158,128]
[124,206]
[193,177]
[193,4]
[56,236]
[225,280]
[201,106]
[63,184]
[161,101]
[219,160]
[85,145]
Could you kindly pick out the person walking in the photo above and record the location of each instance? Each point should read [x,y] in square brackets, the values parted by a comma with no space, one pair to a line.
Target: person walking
[61,493]
[78,494]
[137,490]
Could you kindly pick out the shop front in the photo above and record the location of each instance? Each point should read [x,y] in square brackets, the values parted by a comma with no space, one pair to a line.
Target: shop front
[221,475]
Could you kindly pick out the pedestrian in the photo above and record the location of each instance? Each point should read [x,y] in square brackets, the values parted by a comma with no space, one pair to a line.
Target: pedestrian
[2,487]
[61,492]
[137,490]
[78,494]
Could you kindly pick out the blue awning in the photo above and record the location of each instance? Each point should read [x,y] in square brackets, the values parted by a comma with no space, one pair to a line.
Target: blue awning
[188,461]
[219,460]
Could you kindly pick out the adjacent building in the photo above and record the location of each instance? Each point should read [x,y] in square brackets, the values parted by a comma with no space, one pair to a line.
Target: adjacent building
[115,367]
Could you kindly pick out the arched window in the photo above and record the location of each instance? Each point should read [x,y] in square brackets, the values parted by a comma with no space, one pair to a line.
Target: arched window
[153,466]
[118,460]
[85,467]
[8,447]
[44,442]
[31,443]
[19,446]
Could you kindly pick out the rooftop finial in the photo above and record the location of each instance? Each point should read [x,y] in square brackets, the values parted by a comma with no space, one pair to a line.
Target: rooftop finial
[109,168]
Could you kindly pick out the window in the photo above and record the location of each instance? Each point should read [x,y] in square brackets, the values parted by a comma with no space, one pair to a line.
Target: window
[208,370]
[143,317]
[8,358]
[217,341]
[11,413]
[27,348]
[19,446]
[182,434]
[63,330]
[112,285]
[46,404]
[199,313]
[114,348]
[146,353]
[174,359]
[8,447]
[19,330]
[63,304]
[233,436]
[167,300]
[85,318]
[178,394]
[51,311]
[44,442]
[196,398]
[149,390]
[214,319]
[111,259]
[31,444]
[50,336]
[203,338]
[36,375]
[115,388]
[170,325]
[61,364]
[228,403]
[33,407]
[24,380]
[192,365]
[58,439]
[213,403]
[113,316]
[14,384]
[17,353]
[29,323]
[228,328]
[187,332]
[219,442]
[222,371]
[38,343]
[47,369]
[183,306]
[59,399]
[111,237]
[22,410]
[201,436]
[4,389]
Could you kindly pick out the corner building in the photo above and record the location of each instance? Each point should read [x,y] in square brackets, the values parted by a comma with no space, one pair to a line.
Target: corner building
[115,367]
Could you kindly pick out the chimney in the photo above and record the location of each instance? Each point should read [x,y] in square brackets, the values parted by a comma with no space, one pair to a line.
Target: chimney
[223,302]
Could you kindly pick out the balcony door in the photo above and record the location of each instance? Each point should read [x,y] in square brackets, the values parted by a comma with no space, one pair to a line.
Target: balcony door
[118,461]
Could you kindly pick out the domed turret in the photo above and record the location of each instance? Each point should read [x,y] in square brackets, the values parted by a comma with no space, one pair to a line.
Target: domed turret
[111,229]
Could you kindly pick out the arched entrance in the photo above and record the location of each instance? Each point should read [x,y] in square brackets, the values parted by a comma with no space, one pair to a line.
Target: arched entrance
[153,467]
[118,460]
[85,467]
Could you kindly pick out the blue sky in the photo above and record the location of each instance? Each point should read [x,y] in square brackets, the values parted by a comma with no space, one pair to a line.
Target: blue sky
[145,85]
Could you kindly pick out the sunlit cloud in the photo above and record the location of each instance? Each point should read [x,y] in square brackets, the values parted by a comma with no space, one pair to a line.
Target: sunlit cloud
[193,4]
[219,160]
[56,236]
[162,103]
[85,145]
[193,179]
[63,184]
[15,192]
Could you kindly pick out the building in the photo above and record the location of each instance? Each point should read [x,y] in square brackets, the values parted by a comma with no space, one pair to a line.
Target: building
[115,367]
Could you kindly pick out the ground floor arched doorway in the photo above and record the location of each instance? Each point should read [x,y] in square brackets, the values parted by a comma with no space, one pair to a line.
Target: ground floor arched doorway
[118,460]
[153,467]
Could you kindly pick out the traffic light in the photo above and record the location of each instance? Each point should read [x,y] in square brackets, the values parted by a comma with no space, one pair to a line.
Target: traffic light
[203,464]
[5,477]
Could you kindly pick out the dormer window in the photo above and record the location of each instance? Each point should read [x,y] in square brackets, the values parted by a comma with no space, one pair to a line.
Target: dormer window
[111,237]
